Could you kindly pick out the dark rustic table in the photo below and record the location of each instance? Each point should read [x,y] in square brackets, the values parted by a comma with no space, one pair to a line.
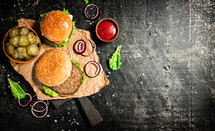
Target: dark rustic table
[166,81]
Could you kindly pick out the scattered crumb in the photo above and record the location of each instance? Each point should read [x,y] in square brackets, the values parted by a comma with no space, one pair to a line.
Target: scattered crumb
[113,95]
[107,75]
[8,75]
[68,108]
[99,94]
[48,116]
[68,112]
[55,121]
[141,82]
[77,123]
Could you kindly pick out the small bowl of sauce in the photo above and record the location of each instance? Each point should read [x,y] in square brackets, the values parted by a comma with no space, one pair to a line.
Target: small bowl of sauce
[107,29]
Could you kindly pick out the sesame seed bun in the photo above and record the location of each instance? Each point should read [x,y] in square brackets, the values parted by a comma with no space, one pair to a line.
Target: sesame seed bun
[53,67]
[56,26]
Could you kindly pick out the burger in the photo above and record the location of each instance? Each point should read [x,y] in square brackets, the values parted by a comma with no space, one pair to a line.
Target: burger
[57,27]
[58,74]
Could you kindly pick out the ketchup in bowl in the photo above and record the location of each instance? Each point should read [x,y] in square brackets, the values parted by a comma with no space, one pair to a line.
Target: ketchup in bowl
[106,30]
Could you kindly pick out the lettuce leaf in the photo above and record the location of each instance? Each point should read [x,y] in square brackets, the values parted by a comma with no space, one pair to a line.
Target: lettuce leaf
[66,11]
[40,18]
[114,61]
[76,63]
[16,89]
[79,65]
[50,92]
[83,77]
[86,1]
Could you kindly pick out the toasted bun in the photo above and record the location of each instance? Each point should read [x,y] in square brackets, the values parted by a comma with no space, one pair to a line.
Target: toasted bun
[72,84]
[53,68]
[56,26]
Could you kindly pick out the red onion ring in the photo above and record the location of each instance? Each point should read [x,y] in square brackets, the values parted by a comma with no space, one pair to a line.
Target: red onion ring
[98,68]
[97,12]
[29,101]
[34,110]
[79,43]
[93,46]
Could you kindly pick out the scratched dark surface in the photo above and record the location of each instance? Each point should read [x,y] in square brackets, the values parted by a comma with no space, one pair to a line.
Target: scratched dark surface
[166,81]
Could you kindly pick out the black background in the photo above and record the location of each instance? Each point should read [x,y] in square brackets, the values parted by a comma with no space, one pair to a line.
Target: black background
[166,80]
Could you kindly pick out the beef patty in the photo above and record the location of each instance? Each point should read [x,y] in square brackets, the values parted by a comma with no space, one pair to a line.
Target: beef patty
[72,84]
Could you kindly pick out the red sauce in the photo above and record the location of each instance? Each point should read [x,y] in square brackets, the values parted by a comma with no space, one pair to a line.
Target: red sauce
[106,30]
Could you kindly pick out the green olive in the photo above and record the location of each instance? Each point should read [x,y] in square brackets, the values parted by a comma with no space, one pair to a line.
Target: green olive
[26,55]
[30,34]
[21,49]
[20,56]
[37,40]
[14,32]
[15,41]
[32,39]
[33,50]
[15,55]
[7,44]
[23,41]
[10,49]
[24,31]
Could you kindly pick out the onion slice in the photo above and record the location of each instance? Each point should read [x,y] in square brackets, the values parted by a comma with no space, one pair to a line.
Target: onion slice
[97,71]
[79,46]
[97,11]
[43,110]
[29,101]
[93,47]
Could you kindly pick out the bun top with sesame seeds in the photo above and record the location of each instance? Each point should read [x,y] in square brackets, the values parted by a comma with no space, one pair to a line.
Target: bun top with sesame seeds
[53,67]
[56,26]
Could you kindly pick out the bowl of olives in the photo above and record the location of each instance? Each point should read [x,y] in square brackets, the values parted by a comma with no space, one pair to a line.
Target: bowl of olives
[21,44]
